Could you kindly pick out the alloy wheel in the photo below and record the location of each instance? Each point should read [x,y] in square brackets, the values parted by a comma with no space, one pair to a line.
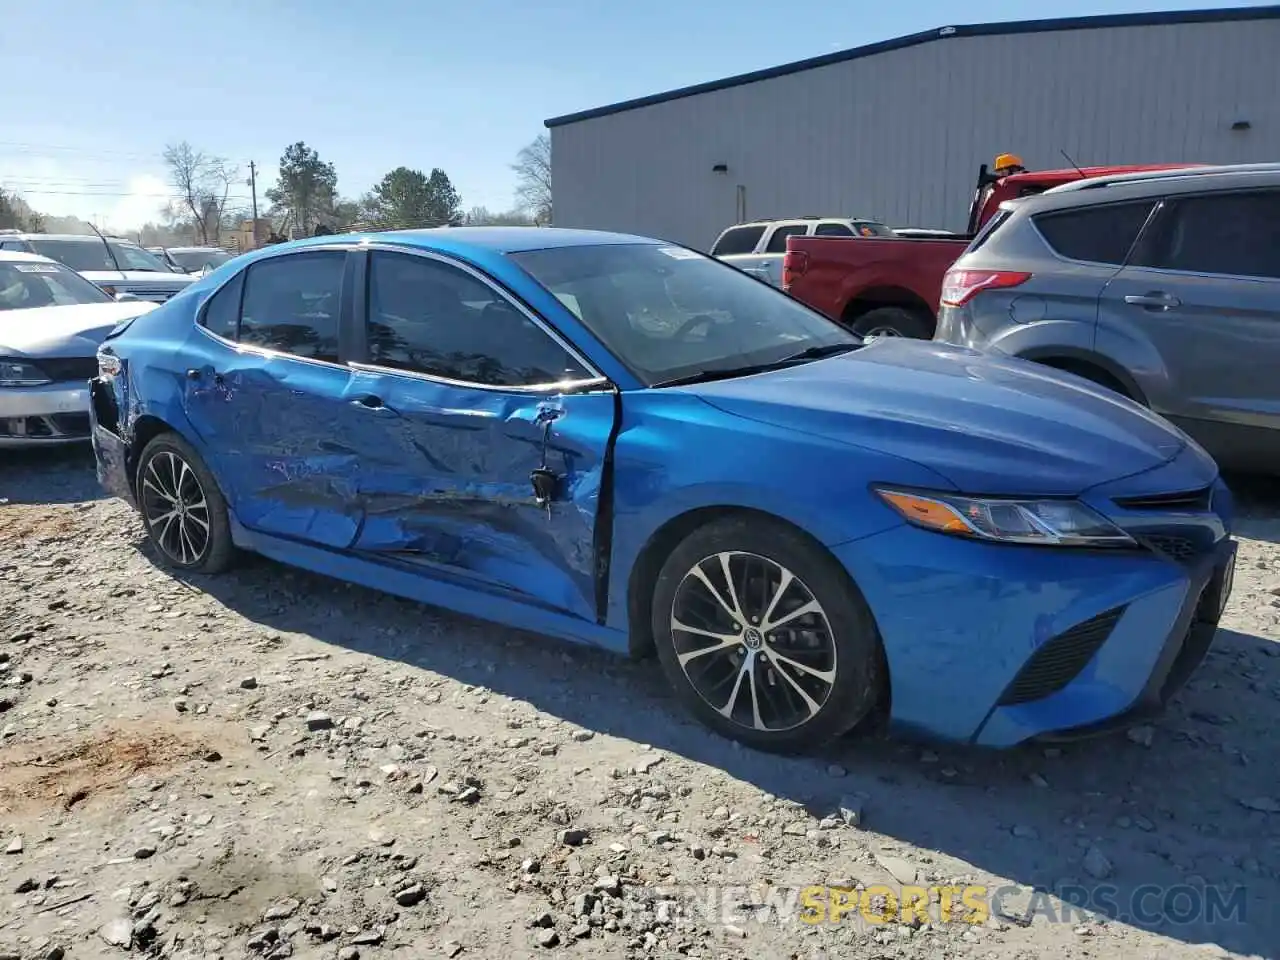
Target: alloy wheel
[175,508]
[875,332]
[753,641]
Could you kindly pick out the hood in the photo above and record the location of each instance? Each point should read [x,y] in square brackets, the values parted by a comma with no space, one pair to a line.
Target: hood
[989,425]
[74,331]
[136,276]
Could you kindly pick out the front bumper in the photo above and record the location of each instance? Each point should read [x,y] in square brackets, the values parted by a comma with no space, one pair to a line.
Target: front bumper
[110,452]
[52,414]
[994,645]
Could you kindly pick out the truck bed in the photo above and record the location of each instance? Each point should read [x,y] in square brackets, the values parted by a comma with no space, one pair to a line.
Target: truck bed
[840,276]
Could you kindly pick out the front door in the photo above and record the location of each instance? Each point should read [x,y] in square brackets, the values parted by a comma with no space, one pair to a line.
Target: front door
[1203,289]
[271,398]
[492,436]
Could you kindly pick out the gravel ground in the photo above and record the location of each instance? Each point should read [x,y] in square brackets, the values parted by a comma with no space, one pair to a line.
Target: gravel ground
[273,764]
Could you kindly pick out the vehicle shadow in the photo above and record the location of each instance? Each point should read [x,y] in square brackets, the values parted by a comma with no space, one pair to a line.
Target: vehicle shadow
[48,475]
[1180,811]
[1258,501]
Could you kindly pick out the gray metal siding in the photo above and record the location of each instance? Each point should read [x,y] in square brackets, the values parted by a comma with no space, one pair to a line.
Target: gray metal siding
[899,136]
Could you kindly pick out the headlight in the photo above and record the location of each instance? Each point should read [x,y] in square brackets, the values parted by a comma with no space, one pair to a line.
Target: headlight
[1067,523]
[108,364]
[19,373]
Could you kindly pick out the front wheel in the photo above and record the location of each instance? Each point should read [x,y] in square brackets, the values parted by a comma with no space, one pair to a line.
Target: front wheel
[763,636]
[182,508]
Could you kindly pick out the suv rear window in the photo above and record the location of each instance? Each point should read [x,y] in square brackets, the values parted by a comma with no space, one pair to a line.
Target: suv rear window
[1103,234]
[737,240]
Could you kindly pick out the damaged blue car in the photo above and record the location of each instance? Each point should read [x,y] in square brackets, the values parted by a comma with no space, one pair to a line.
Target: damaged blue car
[621,442]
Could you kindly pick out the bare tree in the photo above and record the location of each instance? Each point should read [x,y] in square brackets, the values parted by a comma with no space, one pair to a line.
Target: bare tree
[203,183]
[533,179]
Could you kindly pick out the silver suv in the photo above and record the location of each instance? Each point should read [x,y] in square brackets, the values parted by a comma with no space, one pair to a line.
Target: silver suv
[1164,287]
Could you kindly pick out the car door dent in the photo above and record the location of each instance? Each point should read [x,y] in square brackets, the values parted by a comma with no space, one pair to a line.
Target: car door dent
[471,508]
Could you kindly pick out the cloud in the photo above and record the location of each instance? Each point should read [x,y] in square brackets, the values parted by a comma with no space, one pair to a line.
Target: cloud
[146,197]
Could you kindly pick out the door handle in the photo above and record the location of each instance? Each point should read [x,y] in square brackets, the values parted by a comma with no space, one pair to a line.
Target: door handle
[1156,300]
[372,404]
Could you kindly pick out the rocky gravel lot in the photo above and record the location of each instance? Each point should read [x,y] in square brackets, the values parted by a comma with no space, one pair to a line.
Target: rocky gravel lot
[272,764]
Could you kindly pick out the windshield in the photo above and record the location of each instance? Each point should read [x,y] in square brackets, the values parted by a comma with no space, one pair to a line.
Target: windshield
[24,285]
[669,313]
[91,254]
[195,260]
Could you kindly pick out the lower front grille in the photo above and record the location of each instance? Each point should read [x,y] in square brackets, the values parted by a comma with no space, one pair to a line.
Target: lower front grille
[60,426]
[1059,660]
[1181,549]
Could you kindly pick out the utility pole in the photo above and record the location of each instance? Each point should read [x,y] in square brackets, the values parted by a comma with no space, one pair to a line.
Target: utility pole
[253,195]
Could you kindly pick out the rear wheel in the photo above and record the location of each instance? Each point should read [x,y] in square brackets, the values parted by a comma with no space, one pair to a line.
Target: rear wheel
[1096,375]
[182,508]
[893,322]
[763,637]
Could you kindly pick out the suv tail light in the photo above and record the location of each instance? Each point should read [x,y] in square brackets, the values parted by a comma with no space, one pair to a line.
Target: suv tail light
[961,286]
[794,264]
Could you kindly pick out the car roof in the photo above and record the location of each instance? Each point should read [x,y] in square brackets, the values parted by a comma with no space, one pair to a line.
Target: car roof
[1139,186]
[21,256]
[192,249]
[69,236]
[488,239]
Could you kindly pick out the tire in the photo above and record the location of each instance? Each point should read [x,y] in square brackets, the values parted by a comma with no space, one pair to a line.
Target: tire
[1096,376]
[169,468]
[894,322]
[760,554]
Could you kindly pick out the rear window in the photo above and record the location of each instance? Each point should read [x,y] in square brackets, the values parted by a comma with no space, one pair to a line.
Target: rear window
[737,240]
[1103,234]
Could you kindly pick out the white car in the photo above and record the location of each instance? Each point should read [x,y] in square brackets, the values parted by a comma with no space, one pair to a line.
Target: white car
[117,266]
[52,321]
[757,248]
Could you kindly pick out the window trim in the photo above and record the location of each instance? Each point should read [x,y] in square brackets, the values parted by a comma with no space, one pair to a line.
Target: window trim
[1170,202]
[266,352]
[596,378]
[1156,204]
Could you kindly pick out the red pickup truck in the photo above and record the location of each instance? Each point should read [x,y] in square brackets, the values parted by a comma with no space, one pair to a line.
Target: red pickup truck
[891,287]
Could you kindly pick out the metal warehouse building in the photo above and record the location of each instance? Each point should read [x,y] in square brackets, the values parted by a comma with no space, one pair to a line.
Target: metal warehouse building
[897,130]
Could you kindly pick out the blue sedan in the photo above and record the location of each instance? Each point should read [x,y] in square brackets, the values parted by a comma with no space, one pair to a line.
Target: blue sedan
[621,442]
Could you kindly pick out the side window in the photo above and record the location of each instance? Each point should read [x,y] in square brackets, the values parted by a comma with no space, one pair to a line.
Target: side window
[291,304]
[222,313]
[832,230]
[1233,234]
[778,242]
[428,317]
[1102,234]
[737,240]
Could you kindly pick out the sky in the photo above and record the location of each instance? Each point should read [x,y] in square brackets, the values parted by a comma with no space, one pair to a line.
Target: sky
[91,91]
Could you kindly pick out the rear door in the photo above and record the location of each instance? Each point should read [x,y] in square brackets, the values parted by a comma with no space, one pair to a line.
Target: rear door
[1199,307]
[270,397]
[486,435]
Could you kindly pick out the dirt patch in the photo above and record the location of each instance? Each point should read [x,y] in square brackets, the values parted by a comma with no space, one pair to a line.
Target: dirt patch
[39,523]
[71,774]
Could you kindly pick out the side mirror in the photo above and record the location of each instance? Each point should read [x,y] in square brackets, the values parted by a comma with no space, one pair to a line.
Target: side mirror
[126,297]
